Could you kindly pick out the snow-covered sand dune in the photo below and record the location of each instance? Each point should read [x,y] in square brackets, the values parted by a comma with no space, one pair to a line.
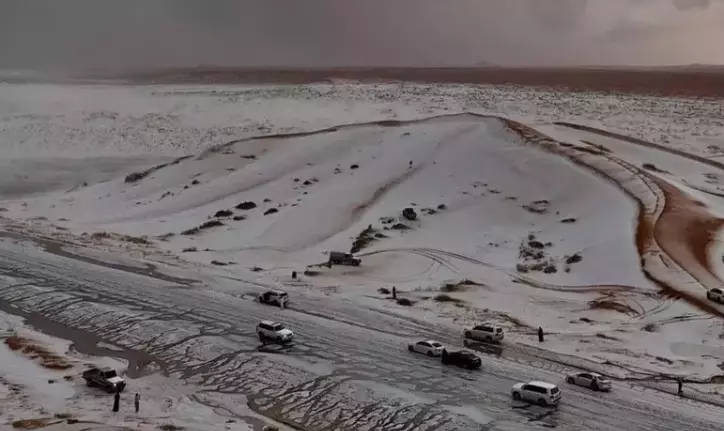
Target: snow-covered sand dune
[525,223]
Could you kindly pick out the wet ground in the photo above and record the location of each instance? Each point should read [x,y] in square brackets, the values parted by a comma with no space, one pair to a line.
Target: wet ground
[348,369]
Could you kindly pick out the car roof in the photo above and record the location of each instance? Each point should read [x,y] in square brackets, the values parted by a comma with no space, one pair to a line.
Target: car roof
[432,341]
[594,374]
[269,322]
[278,292]
[542,384]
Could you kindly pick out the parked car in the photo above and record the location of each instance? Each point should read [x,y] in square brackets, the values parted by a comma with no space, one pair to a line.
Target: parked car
[715,295]
[269,330]
[274,297]
[105,378]
[427,347]
[489,333]
[340,258]
[542,393]
[595,381]
[461,358]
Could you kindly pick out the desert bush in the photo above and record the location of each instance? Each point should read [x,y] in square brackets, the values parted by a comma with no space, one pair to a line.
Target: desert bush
[650,327]
[446,298]
[405,302]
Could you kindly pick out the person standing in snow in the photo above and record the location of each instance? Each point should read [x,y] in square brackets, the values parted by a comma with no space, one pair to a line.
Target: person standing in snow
[116,402]
[137,401]
[540,334]
[681,386]
[394,293]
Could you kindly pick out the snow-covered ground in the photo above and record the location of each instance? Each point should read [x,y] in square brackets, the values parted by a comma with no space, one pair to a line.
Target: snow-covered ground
[31,392]
[506,231]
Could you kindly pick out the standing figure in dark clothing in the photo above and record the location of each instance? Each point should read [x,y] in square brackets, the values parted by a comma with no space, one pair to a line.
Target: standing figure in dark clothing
[394,293]
[116,401]
[137,401]
[540,334]
[681,387]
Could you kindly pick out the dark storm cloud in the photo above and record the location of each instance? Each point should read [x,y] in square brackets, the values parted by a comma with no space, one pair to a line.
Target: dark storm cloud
[132,33]
[691,4]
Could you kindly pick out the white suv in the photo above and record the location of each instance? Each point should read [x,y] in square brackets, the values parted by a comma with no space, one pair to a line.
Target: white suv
[542,393]
[268,330]
[490,333]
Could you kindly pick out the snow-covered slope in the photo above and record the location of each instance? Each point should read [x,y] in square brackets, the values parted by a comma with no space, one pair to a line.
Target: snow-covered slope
[478,191]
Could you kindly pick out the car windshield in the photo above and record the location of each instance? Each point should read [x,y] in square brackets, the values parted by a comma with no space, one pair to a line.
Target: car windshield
[499,330]
[554,390]
[436,344]
[278,327]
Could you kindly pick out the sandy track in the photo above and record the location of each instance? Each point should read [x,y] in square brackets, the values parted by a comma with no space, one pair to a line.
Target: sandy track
[672,81]
[673,231]
[685,230]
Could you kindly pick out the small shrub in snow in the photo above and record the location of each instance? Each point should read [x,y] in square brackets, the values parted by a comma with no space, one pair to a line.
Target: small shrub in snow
[400,226]
[384,291]
[218,263]
[205,225]
[575,258]
[248,205]
[223,213]
[550,269]
[446,298]
[249,156]
[311,273]
[271,211]
[170,427]
[136,176]
[409,213]
[442,207]
[537,207]
[536,244]
[521,268]
[270,428]
[136,239]
[267,200]
[364,239]
[569,220]
[354,166]
[210,224]
[651,327]
[195,182]
[239,217]
[189,250]
[405,302]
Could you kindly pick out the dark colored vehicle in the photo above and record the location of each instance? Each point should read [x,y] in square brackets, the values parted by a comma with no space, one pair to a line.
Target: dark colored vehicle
[339,258]
[462,359]
[105,378]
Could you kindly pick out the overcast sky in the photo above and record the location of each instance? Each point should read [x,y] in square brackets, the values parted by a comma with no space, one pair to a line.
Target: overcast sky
[152,33]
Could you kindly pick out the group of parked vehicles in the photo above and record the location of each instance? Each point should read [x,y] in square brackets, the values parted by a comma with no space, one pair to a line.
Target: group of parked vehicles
[535,391]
